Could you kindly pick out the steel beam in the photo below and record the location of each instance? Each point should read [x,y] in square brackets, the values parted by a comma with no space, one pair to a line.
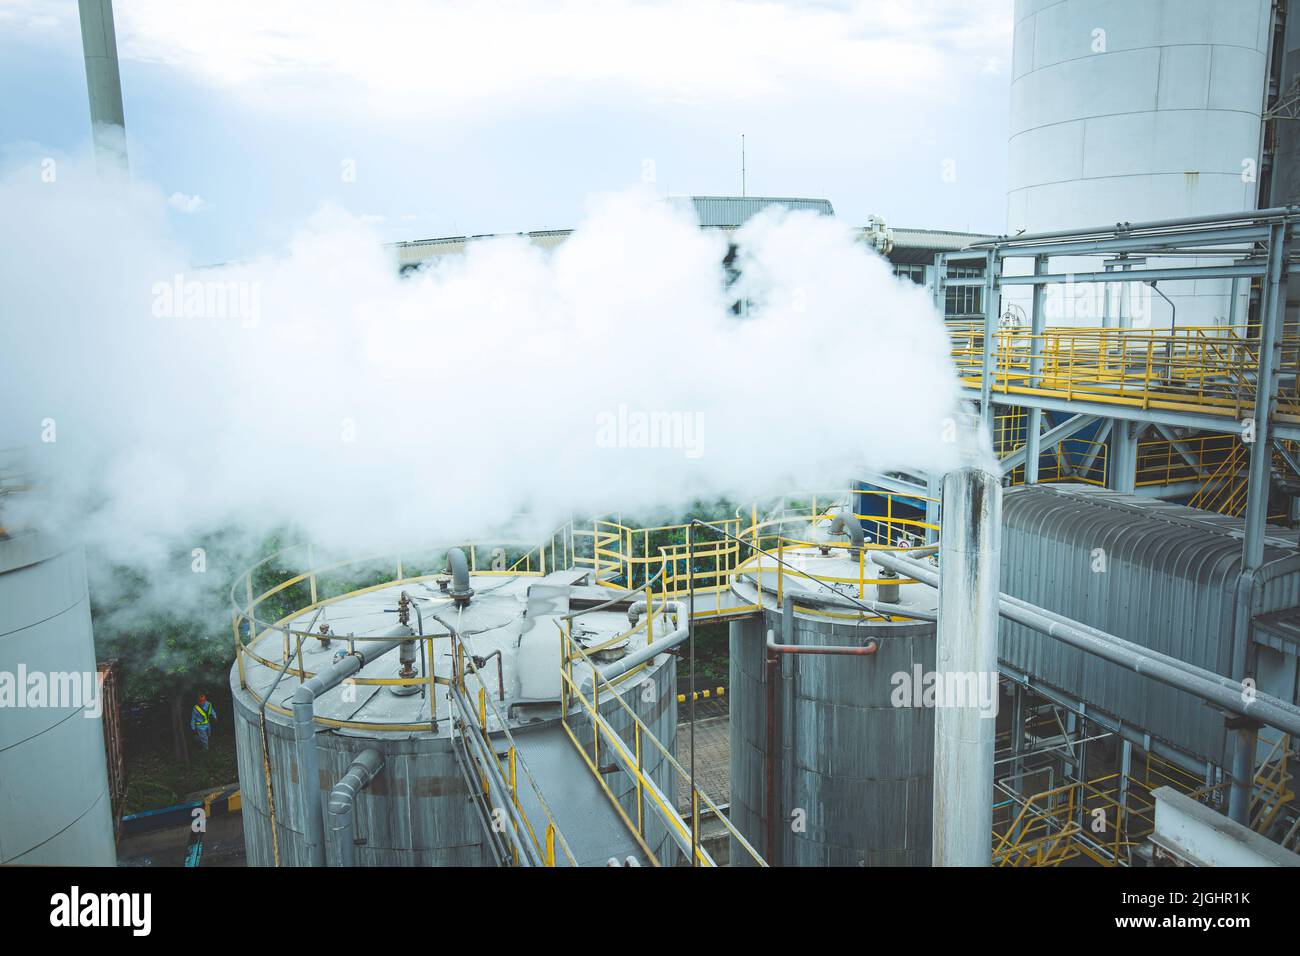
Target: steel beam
[1048,439]
[1129,413]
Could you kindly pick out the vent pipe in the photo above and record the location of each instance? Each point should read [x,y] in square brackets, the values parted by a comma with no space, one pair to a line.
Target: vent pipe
[846,522]
[343,821]
[461,592]
[304,734]
[103,84]
[970,541]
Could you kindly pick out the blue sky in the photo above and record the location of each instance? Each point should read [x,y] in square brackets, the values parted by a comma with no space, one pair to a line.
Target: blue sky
[499,117]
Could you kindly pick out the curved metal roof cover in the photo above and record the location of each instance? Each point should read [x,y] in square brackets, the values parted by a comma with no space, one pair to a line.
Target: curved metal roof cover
[1156,573]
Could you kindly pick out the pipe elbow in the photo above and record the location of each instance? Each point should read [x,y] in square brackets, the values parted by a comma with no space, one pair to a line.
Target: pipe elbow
[461,592]
[846,522]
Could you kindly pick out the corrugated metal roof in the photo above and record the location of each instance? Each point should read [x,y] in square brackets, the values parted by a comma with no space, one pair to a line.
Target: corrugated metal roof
[1155,573]
[714,212]
[920,245]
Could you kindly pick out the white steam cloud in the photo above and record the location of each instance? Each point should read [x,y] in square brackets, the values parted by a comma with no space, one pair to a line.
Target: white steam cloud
[320,390]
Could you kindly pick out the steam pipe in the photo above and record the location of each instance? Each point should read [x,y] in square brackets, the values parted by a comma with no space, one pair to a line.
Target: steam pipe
[970,541]
[343,823]
[304,734]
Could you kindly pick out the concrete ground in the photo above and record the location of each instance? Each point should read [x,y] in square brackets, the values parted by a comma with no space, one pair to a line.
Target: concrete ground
[712,751]
[223,844]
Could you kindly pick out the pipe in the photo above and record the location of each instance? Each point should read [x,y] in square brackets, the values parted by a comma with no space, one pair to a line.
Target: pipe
[970,540]
[864,650]
[616,599]
[1245,742]
[103,84]
[620,667]
[637,608]
[846,522]
[1249,215]
[1218,690]
[343,822]
[461,592]
[774,849]
[304,734]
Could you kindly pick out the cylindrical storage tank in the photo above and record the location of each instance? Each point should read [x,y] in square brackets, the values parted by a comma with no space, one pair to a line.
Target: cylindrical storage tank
[55,806]
[851,753]
[419,810]
[1136,110]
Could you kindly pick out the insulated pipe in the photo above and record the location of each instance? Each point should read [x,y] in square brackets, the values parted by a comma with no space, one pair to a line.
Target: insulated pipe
[343,823]
[304,734]
[928,576]
[620,667]
[461,592]
[970,540]
[1214,688]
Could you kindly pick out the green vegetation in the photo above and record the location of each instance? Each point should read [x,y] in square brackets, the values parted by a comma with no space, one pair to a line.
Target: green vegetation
[154,779]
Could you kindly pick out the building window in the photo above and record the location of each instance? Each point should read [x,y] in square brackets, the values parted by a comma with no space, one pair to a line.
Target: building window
[910,271]
[964,302]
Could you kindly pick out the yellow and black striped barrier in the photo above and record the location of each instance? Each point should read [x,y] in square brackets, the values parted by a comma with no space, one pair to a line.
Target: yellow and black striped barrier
[704,694]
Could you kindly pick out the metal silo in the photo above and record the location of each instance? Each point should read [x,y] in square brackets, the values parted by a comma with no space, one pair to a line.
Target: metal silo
[831,752]
[1137,110]
[396,782]
[55,807]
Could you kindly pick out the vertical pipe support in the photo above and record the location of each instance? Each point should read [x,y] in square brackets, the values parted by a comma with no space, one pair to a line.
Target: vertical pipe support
[990,334]
[1037,323]
[1245,736]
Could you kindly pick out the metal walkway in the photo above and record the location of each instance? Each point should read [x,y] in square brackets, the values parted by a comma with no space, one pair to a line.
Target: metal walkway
[581,810]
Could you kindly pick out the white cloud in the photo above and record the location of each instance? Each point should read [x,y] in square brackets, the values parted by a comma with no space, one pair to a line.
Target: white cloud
[182,202]
[462,56]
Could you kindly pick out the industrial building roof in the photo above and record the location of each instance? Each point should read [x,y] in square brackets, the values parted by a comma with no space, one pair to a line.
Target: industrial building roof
[714,212]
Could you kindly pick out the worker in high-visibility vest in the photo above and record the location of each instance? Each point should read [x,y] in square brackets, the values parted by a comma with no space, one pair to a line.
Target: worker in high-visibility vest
[201,719]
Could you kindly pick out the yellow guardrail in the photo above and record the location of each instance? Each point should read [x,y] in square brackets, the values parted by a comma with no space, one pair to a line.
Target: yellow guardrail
[476,713]
[291,584]
[1271,789]
[630,758]
[1209,369]
[1075,819]
[1165,461]
[707,565]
